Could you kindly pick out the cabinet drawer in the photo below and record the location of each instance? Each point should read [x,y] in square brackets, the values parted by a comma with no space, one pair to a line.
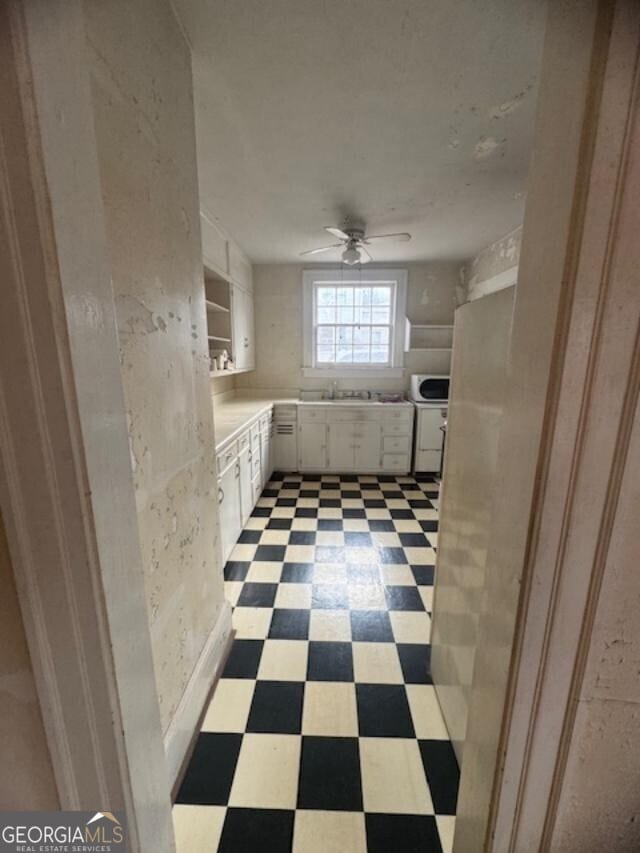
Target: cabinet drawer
[255,434]
[244,441]
[395,416]
[227,456]
[340,414]
[265,422]
[392,444]
[308,415]
[395,462]
[396,428]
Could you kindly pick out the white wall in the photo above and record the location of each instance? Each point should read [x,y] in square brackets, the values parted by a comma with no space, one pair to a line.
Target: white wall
[143,104]
[431,298]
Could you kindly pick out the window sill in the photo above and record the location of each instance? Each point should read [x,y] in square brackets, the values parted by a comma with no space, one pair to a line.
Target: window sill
[354,372]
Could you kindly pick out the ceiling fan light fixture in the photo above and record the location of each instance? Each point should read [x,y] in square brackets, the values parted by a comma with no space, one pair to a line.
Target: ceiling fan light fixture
[351,256]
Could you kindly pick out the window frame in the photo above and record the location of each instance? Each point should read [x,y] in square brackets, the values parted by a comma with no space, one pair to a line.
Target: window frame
[336,277]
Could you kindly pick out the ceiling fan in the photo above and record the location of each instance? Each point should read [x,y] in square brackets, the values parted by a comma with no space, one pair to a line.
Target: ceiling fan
[355,241]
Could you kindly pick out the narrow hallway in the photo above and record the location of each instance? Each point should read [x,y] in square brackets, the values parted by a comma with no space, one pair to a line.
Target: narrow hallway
[324,732]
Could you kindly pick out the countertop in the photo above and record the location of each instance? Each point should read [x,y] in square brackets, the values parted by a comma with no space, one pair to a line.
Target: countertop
[232,415]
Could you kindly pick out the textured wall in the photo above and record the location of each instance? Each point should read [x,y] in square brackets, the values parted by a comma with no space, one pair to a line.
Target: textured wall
[599,801]
[141,80]
[27,780]
[431,298]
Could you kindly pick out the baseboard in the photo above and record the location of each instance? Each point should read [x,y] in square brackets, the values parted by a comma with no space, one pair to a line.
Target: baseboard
[182,728]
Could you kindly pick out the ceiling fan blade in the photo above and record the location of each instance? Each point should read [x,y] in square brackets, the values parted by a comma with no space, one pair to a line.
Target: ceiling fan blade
[321,249]
[365,257]
[337,232]
[402,237]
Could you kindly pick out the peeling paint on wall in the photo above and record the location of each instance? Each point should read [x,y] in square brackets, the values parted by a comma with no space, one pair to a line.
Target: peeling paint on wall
[507,107]
[431,298]
[497,258]
[143,106]
[485,147]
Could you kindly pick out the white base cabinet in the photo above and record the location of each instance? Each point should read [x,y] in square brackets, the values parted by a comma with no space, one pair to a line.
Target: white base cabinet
[230,518]
[312,446]
[355,438]
[341,439]
[246,487]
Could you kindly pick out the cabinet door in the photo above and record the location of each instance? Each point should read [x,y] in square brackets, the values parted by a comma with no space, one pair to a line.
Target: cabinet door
[246,489]
[367,446]
[243,329]
[341,446]
[272,449]
[229,511]
[264,457]
[312,446]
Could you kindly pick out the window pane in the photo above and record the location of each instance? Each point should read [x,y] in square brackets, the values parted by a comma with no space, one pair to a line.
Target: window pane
[380,335]
[326,315]
[345,296]
[361,355]
[326,335]
[379,355]
[326,355]
[344,335]
[381,315]
[381,295]
[353,324]
[362,315]
[326,295]
[361,336]
[363,296]
[345,314]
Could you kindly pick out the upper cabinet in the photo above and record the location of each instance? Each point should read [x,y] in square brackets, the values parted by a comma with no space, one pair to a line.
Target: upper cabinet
[215,252]
[239,267]
[244,346]
[229,294]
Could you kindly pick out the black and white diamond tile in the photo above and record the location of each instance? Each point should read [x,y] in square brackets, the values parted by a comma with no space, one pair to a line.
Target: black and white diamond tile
[324,732]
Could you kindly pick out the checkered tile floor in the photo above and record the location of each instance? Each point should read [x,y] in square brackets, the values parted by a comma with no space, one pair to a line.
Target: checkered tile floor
[324,732]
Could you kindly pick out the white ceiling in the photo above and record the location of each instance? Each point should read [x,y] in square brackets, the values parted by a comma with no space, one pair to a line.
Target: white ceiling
[411,115]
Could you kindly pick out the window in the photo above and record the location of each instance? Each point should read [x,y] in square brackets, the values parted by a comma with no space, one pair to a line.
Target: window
[352,321]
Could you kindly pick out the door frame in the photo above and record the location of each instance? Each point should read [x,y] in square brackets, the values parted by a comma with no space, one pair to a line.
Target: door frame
[589,406]
[65,478]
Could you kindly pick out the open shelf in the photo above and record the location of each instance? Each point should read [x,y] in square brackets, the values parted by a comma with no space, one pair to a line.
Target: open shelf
[218,338]
[216,374]
[215,306]
[429,326]
[428,337]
